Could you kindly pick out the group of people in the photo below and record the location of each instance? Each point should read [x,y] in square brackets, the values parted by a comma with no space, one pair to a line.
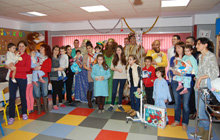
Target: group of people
[99,71]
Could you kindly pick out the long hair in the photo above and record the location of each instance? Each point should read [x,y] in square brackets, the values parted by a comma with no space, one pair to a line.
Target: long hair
[210,45]
[182,45]
[116,58]
[105,66]
[54,47]
[47,50]
[134,58]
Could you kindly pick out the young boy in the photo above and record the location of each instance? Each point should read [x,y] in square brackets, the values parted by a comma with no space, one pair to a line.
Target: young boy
[11,59]
[64,63]
[77,64]
[148,73]
[97,51]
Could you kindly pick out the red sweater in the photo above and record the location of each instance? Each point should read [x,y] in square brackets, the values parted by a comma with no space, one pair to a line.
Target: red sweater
[22,67]
[149,82]
[46,67]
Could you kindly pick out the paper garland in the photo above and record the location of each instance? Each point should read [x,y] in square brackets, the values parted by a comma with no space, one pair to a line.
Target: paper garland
[11,33]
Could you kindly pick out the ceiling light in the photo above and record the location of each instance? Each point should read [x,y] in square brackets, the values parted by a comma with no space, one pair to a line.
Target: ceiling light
[98,8]
[174,3]
[33,14]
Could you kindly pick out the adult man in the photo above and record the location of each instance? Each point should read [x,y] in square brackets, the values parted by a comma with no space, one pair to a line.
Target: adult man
[76,46]
[171,50]
[190,40]
[159,57]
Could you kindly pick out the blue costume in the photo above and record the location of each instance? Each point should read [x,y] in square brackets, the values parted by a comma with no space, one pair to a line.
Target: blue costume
[100,87]
[161,92]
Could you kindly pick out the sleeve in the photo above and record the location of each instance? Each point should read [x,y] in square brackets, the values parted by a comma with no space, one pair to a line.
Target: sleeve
[139,75]
[167,90]
[7,58]
[27,66]
[194,65]
[164,61]
[46,66]
[154,90]
[214,69]
[172,61]
[93,74]
[107,74]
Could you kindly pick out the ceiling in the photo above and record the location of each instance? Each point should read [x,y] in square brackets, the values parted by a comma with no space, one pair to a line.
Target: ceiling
[69,10]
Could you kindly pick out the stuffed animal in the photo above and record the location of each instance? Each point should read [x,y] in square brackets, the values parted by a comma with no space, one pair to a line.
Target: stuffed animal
[35,39]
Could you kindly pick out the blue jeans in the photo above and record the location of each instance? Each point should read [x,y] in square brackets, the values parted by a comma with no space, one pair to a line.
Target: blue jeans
[202,113]
[22,84]
[177,106]
[115,88]
[41,89]
[135,102]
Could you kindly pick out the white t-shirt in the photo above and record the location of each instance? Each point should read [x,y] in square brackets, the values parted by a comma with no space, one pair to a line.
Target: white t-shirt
[170,53]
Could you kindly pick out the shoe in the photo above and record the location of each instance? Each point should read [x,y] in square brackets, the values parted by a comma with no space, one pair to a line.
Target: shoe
[13,80]
[89,98]
[134,113]
[130,111]
[64,79]
[174,124]
[121,109]
[179,87]
[45,104]
[38,106]
[24,116]
[60,78]
[199,133]
[11,121]
[55,107]
[184,91]
[99,111]
[110,108]
[62,105]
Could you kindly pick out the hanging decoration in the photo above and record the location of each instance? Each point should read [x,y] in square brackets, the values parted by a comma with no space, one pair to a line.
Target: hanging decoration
[99,31]
[122,26]
[145,31]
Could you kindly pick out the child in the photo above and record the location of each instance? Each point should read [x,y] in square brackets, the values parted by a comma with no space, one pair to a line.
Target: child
[100,75]
[11,59]
[36,73]
[64,63]
[187,78]
[133,76]
[98,50]
[148,73]
[161,92]
[77,62]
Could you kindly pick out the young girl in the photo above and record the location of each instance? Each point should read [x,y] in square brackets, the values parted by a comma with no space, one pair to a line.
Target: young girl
[118,65]
[187,78]
[100,75]
[161,93]
[34,63]
[11,60]
[133,76]
[77,62]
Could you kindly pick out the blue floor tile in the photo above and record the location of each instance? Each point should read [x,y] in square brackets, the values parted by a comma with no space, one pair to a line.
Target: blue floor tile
[63,110]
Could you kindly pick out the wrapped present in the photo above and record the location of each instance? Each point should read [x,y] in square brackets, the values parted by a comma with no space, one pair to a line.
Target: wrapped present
[146,74]
[155,116]
[182,66]
[75,68]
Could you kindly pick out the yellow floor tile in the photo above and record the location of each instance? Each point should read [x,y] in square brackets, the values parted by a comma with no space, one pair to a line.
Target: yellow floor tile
[170,111]
[174,132]
[20,135]
[71,120]
[126,108]
[17,124]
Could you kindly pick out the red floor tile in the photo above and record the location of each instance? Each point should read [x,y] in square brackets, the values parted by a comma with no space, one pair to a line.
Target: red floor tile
[82,111]
[111,135]
[35,116]
[172,120]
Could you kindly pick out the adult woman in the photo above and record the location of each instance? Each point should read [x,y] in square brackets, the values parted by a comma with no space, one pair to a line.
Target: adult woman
[70,75]
[56,85]
[22,67]
[87,64]
[208,68]
[42,88]
[118,66]
[185,115]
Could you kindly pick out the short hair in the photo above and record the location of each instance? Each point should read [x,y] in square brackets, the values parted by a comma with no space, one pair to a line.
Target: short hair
[63,48]
[67,46]
[189,47]
[78,51]
[11,45]
[97,47]
[162,70]
[177,36]
[148,58]
[191,37]
[76,40]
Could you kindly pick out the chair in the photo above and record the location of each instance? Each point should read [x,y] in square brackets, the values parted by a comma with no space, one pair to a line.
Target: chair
[17,103]
[3,109]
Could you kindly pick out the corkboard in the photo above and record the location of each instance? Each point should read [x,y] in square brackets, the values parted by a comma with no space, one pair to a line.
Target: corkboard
[10,36]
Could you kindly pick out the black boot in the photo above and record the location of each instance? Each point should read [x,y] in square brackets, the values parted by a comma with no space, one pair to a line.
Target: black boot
[38,105]
[89,98]
[45,104]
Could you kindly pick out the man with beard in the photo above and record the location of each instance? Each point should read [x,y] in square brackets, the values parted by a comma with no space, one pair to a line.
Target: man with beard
[159,57]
